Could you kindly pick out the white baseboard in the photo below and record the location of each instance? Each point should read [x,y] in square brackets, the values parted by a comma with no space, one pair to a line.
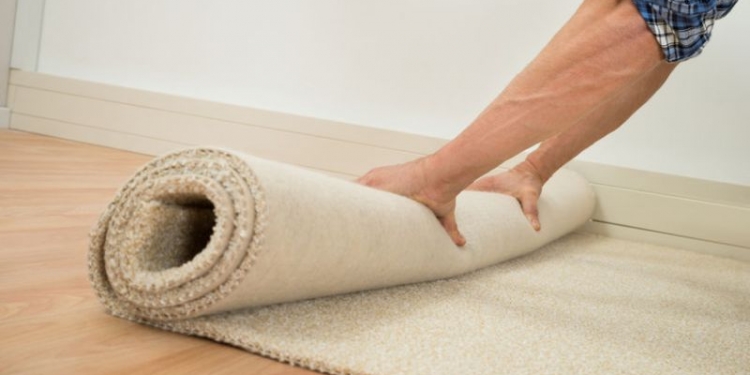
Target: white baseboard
[705,216]
[4,117]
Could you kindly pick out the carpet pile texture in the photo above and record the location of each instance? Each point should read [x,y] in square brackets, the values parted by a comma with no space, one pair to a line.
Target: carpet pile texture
[336,277]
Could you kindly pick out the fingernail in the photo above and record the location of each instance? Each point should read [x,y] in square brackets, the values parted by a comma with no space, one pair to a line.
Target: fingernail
[461,240]
[534,223]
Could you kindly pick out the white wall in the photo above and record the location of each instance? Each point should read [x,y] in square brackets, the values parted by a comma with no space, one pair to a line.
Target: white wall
[28,34]
[420,66]
[7,16]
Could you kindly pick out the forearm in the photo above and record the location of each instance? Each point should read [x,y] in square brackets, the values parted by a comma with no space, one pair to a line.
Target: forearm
[572,76]
[558,150]
[555,152]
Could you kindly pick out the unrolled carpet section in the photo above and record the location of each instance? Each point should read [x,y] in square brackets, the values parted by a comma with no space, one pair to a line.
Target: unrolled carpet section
[584,304]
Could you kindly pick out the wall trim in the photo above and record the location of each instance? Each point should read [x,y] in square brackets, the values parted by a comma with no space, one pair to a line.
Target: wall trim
[705,216]
[4,118]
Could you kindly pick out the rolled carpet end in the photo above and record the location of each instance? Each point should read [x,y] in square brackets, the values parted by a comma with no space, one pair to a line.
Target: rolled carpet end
[202,231]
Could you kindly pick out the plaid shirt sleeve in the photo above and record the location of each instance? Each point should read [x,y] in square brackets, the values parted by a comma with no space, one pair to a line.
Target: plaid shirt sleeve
[682,27]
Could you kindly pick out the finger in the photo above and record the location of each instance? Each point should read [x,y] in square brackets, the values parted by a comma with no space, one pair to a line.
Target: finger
[365,179]
[530,210]
[449,223]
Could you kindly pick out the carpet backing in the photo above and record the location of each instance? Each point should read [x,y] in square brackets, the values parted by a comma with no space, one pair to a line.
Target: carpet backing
[344,279]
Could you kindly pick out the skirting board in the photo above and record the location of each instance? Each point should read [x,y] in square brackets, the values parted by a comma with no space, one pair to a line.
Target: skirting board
[705,216]
[4,117]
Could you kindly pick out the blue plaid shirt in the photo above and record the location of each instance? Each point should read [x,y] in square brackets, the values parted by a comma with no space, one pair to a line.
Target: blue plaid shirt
[682,27]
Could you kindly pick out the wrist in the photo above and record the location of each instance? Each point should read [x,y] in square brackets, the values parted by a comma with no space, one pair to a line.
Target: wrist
[439,184]
[536,167]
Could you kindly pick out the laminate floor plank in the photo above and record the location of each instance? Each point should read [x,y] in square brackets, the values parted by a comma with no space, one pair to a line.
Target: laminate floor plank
[51,193]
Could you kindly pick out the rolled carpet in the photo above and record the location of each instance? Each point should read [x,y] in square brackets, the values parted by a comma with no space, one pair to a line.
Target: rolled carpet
[206,231]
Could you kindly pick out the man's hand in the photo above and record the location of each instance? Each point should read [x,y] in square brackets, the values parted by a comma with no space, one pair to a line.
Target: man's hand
[414,180]
[523,182]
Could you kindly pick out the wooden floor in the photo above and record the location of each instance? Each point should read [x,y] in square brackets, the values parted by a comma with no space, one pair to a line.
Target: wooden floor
[51,193]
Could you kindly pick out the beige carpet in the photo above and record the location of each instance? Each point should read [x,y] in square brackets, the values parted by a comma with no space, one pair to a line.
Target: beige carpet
[582,305]
[198,241]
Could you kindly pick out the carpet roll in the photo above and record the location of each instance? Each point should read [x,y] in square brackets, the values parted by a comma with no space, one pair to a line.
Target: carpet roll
[203,231]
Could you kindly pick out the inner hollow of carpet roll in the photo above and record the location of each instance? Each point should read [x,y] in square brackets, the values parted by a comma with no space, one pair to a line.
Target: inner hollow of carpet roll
[182,226]
[180,236]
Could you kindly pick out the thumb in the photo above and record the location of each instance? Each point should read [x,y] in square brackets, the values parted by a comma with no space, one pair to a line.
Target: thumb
[530,210]
[449,223]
